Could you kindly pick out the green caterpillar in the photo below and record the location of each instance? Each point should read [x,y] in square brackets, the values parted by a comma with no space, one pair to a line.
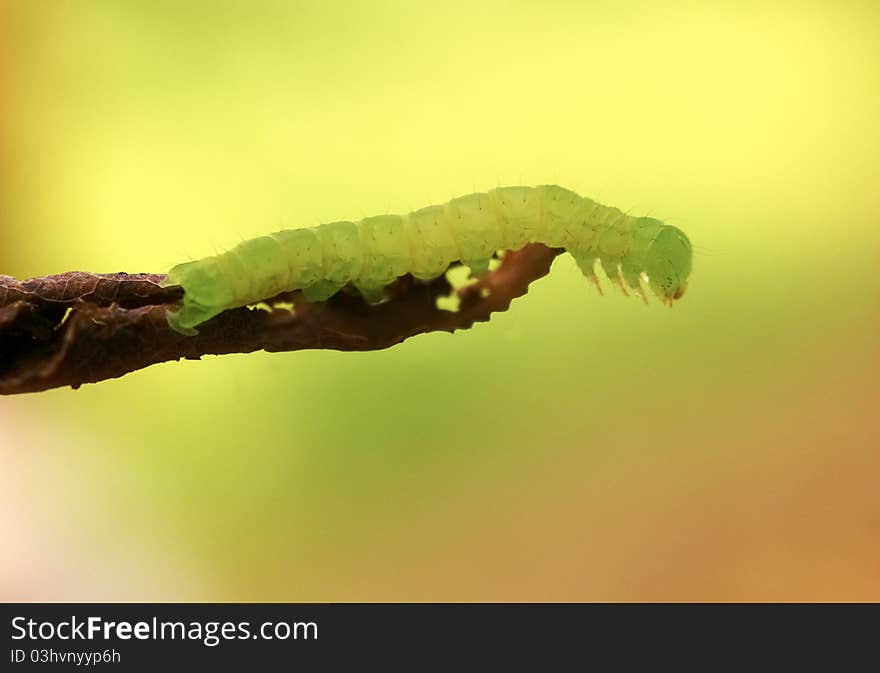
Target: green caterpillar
[372,253]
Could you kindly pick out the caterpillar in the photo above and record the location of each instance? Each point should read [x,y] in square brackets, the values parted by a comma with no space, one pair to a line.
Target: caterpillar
[372,253]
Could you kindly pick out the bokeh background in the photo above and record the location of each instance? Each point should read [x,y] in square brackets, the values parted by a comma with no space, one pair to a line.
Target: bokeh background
[575,448]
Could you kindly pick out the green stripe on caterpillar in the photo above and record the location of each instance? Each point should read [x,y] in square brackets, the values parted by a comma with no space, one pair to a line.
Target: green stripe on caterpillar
[372,253]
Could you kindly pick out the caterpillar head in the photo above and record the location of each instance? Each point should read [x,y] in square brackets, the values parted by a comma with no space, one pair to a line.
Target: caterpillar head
[668,263]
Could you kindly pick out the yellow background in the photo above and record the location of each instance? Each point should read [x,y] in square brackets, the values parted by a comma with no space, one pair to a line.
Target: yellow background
[576,448]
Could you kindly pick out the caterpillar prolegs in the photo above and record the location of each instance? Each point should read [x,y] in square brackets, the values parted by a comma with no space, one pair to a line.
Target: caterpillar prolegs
[372,253]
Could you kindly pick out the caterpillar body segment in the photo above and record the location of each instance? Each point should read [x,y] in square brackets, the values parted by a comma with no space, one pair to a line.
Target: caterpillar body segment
[476,229]
[341,257]
[518,210]
[371,254]
[432,246]
[302,248]
[565,219]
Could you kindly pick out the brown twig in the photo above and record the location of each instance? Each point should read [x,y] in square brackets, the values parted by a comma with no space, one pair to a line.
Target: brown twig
[76,328]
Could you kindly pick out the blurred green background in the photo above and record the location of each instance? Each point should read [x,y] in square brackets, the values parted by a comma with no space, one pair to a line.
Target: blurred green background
[576,448]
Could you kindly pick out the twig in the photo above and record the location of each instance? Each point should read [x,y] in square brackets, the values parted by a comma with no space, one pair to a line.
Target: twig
[76,328]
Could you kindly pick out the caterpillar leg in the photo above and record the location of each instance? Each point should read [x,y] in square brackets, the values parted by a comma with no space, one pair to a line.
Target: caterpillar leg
[611,270]
[478,267]
[427,278]
[372,294]
[587,265]
[632,277]
[322,290]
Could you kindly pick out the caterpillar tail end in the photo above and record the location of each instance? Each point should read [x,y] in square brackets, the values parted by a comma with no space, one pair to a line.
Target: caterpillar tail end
[177,319]
[190,315]
[203,296]
[176,275]
[176,323]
